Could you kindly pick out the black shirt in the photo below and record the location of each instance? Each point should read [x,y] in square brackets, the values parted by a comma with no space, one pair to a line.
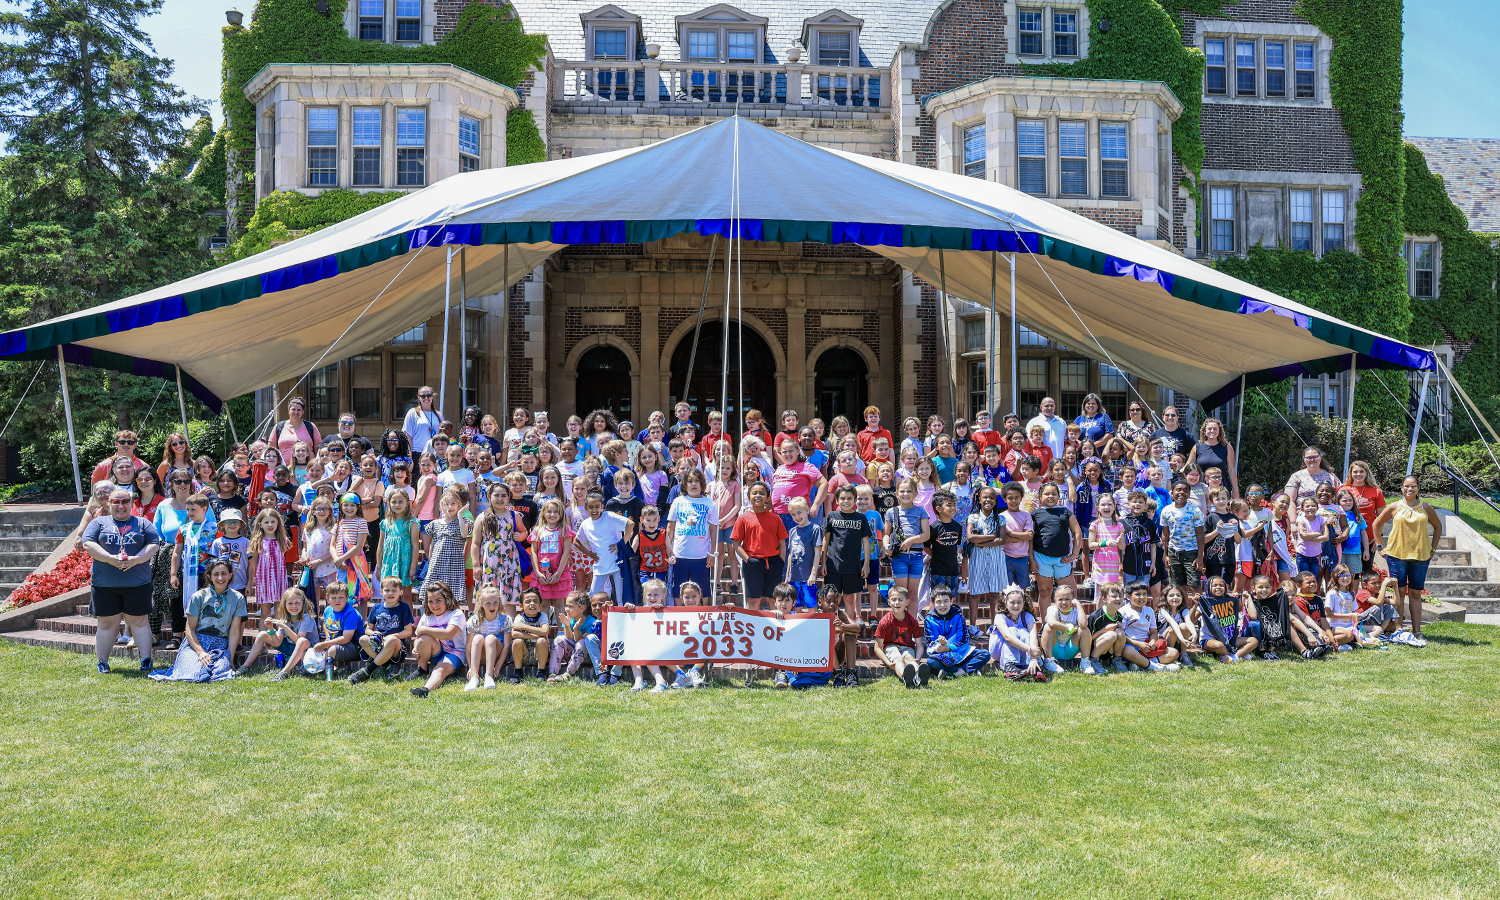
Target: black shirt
[628,506]
[1053,536]
[219,504]
[1175,441]
[846,533]
[1140,533]
[528,509]
[885,500]
[944,544]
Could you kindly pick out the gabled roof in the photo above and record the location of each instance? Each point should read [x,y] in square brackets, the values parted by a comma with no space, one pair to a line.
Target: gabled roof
[886,25]
[1471,173]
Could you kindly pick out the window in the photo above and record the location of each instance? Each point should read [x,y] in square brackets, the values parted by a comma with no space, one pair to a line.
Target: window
[372,20]
[1221,219]
[1217,76]
[835,48]
[1028,338]
[220,240]
[1275,69]
[609,43]
[703,45]
[409,373]
[408,20]
[415,336]
[1073,384]
[1304,61]
[364,378]
[1423,269]
[1033,150]
[468,144]
[1031,378]
[1114,160]
[978,385]
[1302,220]
[1333,220]
[1312,397]
[323,392]
[1114,390]
[741,46]
[367,146]
[411,147]
[1065,34]
[1029,32]
[974,151]
[322,147]
[973,334]
[471,381]
[1073,149]
[1244,68]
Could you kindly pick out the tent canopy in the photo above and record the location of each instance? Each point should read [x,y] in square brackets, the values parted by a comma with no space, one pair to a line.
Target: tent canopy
[359,283]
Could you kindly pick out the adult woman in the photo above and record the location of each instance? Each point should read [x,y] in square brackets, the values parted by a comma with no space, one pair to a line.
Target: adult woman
[986,558]
[795,477]
[285,434]
[1135,426]
[166,600]
[1306,479]
[122,546]
[175,455]
[1415,530]
[421,421]
[1370,499]
[215,618]
[371,492]
[1095,424]
[598,429]
[147,493]
[1212,450]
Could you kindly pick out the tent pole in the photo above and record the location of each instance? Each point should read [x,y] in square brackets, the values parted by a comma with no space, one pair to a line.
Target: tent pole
[989,365]
[1239,430]
[463,331]
[1349,427]
[233,432]
[182,404]
[447,309]
[945,343]
[1416,423]
[62,371]
[687,380]
[1015,338]
[505,333]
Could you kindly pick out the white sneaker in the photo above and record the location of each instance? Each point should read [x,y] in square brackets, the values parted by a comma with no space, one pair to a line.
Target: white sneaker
[640,685]
[1171,667]
[1051,666]
[1231,659]
[695,676]
[473,684]
[1156,666]
[489,682]
[123,638]
[659,688]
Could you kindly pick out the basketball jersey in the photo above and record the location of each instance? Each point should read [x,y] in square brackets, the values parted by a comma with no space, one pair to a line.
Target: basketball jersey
[654,551]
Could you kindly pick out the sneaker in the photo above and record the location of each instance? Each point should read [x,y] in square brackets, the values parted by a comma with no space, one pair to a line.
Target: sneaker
[781,679]
[489,682]
[750,677]
[613,679]
[1132,667]
[1416,640]
[924,673]
[1091,667]
[418,674]
[1343,647]
[104,668]
[1308,654]
[420,691]
[1320,651]
[696,678]
[1051,666]
[682,681]
[838,678]
[659,688]
[640,685]
[146,665]
[1120,665]
[1230,660]
[515,677]
[1155,666]
[1039,676]
[909,674]
[1270,656]
[1172,667]
[123,638]
[1187,661]
[603,679]
[279,676]
[473,684]
[361,675]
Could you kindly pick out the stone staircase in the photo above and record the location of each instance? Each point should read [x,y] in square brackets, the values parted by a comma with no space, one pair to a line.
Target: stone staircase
[27,536]
[1465,569]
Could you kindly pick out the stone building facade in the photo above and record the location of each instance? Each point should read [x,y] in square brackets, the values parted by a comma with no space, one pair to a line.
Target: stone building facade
[827,329]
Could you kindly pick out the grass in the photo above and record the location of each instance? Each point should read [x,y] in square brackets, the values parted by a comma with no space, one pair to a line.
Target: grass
[1475,514]
[1370,775]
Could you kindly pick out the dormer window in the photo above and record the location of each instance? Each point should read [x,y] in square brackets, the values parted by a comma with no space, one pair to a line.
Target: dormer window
[834,49]
[721,33]
[703,45]
[609,43]
[832,39]
[611,33]
[742,46]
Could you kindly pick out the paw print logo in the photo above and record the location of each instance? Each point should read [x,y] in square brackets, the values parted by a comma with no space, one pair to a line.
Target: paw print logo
[615,649]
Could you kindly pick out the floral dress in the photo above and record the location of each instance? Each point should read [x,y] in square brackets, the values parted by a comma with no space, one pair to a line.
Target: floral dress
[445,561]
[395,562]
[499,561]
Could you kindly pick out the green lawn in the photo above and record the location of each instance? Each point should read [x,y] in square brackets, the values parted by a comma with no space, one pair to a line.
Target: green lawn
[1475,514]
[1372,774]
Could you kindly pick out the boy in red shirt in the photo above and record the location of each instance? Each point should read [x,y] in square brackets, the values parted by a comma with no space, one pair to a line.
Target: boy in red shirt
[760,540]
[872,430]
[983,435]
[1037,446]
[715,434]
[898,641]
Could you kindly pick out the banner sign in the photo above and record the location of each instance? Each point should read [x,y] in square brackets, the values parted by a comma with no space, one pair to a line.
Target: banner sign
[682,635]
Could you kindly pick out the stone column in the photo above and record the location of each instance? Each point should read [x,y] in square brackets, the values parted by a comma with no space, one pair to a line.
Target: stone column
[346,144]
[654,376]
[799,380]
[388,146]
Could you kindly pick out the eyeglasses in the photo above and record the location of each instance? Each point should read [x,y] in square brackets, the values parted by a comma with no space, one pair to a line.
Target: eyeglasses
[1257,493]
[1169,415]
[126,443]
[1314,458]
[424,396]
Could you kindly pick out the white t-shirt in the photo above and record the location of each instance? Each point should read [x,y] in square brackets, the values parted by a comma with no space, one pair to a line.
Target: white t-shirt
[1137,625]
[600,535]
[420,427]
[480,625]
[697,521]
[1056,433]
[453,477]
[456,646]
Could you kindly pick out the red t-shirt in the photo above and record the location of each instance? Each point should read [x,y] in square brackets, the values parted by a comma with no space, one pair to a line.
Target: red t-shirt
[866,439]
[1362,597]
[1370,500]
[761,533]
[986,438]
[903,633]
[706,446]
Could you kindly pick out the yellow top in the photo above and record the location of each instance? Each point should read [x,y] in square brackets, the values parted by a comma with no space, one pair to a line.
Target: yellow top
[1411,534]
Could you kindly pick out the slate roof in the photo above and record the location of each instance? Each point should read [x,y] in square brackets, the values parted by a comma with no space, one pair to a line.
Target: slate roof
[1471,172]
[886,24]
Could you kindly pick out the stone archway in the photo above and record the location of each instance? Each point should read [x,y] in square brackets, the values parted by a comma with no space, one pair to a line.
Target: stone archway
[871,387]
[569,389]
[684,331]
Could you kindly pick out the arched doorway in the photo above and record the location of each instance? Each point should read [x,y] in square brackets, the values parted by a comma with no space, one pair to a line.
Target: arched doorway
[705,390]
[840,385]
[604,381]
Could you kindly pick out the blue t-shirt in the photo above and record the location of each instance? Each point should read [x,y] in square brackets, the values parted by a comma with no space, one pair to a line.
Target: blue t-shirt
[131,536]
[1181,525]
[335,623]
[1356,528]
[801,548]
[1092,428]
[390,619]
[877,528]
[911,525]
[945,466]
[1162,500]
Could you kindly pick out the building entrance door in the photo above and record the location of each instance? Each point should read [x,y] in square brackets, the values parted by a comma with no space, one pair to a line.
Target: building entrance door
[705,389]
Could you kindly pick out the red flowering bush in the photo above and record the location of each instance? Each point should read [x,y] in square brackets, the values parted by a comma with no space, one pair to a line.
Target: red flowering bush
[70,573]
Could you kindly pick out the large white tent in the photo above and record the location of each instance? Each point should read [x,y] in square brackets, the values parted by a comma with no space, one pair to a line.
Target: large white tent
[354,285]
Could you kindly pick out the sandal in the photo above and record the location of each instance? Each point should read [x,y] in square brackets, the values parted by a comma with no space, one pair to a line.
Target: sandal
[173,644]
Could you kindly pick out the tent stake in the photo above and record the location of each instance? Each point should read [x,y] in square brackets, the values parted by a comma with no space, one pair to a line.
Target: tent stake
[1349,427]
[182,404]
[447,309]
[62,370]
[989,366]
[1416,425]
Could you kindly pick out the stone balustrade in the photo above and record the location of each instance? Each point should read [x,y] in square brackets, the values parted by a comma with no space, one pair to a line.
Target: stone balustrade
[696,88]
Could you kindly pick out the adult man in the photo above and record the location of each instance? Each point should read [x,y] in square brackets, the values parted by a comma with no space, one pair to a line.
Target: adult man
[1174,438]
[1054,429]
[125,442]
[122,546]
[421,422]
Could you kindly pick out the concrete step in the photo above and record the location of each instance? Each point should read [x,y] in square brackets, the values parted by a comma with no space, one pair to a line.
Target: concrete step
[1446,543]
[55,532]
[28,559]
[78,643]
[1480,606]
[8,588]
[1457,591]
[1457,573]
[14,574]
[1451,558]
[41,544]
[40,514]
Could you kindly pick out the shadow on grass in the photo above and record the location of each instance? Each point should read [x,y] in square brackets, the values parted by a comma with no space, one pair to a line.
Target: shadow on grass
[1454,641]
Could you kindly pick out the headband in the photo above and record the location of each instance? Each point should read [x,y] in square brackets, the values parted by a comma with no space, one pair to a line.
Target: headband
[350,497]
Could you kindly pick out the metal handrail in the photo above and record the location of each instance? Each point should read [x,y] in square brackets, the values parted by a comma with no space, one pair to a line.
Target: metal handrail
[1459,480]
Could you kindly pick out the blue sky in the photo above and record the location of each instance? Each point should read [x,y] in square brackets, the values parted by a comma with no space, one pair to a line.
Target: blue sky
[1451,66]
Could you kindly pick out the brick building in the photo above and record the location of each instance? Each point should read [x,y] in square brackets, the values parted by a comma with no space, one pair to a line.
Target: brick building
[826,329]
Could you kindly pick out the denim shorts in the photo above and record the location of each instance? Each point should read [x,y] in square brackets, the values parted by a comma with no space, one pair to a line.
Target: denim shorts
[874,575]
[1409,573]
[1311,564]
[906,565]
[1018,570]
[1052,567]
[950,580]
